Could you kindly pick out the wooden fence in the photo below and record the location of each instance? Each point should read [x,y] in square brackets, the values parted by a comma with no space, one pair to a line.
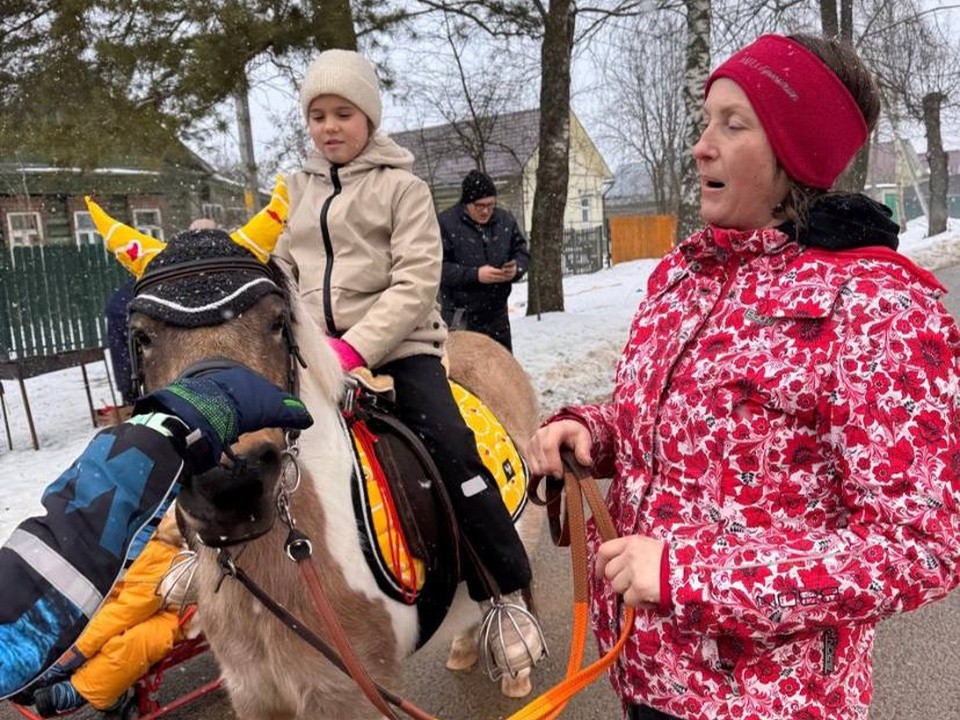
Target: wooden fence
[633,237]
[52,299]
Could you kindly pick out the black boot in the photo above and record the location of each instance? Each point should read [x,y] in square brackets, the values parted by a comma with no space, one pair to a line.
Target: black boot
[58,698]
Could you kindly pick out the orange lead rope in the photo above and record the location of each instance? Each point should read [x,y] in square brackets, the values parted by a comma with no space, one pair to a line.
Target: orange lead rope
[548,706]
[577,485]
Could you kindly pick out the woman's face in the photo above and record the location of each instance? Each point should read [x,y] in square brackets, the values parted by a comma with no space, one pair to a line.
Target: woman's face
[338,127]
[740,180]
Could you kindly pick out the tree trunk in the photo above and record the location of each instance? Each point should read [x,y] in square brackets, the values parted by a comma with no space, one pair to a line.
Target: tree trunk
[545,293]
[250,183]
[695,77]
[828,18]
[854,177]
[937,159]
[332,22]
[846,20]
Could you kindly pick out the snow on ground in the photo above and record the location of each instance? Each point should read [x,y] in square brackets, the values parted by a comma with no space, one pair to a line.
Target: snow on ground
[570,356]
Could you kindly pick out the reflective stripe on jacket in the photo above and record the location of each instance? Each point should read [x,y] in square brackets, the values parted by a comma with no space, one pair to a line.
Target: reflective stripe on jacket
[57,568]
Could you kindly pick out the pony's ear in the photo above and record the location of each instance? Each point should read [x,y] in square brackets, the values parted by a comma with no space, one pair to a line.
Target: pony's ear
[260,235]
[132,248]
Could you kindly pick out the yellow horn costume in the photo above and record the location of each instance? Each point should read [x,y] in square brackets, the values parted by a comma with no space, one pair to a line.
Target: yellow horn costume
[134,249]
[260,235]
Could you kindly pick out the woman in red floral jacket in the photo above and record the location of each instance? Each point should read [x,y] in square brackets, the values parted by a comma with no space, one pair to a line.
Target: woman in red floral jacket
[783,435]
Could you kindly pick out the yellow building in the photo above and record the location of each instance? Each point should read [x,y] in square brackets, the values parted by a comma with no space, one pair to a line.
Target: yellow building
[444,154]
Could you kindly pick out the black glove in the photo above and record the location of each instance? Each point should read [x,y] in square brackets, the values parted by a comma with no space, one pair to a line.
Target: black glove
[222,400]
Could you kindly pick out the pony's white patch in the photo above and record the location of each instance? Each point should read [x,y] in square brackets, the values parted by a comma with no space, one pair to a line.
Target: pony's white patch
[329,461]
[209,306]
[473,486]
[327,457]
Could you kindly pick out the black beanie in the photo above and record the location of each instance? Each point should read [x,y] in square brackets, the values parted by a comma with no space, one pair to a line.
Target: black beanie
[477,185]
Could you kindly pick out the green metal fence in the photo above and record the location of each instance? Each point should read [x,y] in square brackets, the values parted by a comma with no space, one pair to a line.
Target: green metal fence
[52,299]
[584,250]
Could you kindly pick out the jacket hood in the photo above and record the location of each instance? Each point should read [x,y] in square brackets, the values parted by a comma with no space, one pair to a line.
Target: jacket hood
[845,222]
[381,151]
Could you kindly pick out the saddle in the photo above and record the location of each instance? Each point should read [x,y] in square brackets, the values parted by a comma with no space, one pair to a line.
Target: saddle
[406,523]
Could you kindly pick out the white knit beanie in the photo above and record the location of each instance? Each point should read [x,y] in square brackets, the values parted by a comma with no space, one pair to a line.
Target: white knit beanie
[344,73]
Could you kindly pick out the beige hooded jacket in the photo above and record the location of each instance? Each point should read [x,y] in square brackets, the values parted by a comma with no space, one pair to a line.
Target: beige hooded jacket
[363,244]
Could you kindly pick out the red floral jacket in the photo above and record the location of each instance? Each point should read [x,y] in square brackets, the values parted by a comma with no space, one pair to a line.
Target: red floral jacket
[786,420]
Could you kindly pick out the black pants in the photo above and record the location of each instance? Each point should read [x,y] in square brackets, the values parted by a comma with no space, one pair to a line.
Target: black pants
[642,712]
[496,326]
[425,403]
[494,323]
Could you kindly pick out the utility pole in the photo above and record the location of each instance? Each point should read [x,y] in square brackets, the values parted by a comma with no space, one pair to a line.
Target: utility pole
[242,99]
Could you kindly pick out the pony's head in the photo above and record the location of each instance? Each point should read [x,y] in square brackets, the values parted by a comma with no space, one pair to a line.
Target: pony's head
[206,295]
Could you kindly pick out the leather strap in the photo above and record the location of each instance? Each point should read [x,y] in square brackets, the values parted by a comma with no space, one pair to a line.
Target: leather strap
[324,648]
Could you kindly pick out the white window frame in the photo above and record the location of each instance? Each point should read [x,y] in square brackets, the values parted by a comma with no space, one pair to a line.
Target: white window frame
[154,229]
[88,233]
[15,237]
[585,208]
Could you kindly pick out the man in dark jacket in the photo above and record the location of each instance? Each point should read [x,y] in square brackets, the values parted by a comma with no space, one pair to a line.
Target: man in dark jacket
[484,251]
[118,339]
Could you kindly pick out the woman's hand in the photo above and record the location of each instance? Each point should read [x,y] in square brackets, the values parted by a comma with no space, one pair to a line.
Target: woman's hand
[543,454]
[632,565]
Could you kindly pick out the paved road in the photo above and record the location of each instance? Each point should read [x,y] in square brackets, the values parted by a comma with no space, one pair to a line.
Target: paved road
[916,655]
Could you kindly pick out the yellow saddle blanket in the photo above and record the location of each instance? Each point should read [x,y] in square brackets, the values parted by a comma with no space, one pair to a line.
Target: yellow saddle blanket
[377,519]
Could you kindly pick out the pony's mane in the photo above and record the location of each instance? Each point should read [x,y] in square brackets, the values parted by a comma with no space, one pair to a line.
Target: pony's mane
[322,362]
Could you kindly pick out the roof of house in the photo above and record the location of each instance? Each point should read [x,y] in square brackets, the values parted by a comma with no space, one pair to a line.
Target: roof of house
[441,159]
[882,169]
[631,182]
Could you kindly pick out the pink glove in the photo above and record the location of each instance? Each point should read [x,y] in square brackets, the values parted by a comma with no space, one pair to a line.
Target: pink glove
[349,358]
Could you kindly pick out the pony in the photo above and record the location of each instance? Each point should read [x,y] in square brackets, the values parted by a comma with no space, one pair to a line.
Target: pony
[268,672]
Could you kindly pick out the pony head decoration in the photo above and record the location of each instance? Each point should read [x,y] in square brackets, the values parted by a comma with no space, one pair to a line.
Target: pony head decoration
[135,250]
[201,277]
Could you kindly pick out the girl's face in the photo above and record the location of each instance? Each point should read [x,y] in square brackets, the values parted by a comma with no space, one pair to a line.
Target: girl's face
[338,127]
[740,179]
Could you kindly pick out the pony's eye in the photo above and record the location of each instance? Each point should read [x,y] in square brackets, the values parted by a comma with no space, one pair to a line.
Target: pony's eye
[277,326]
[141,338]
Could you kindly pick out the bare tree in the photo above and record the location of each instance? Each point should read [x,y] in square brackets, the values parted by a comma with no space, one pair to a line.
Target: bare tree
[918,65]
[554,24]
[645,113]
[696,72]
[470,89]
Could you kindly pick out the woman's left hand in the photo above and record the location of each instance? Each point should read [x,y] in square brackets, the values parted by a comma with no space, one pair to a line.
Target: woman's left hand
[632,565]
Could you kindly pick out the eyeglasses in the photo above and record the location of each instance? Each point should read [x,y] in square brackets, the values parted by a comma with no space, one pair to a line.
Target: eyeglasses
[489,205]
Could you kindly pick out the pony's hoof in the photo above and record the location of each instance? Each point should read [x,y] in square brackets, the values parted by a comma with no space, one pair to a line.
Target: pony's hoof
[516,687]
[463,654]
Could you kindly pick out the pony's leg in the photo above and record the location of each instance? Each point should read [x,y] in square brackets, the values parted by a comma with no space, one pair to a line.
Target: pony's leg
[464,654]
[463,649]
[516,687]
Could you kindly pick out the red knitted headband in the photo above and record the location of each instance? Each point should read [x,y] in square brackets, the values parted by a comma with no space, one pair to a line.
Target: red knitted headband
[811,120]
